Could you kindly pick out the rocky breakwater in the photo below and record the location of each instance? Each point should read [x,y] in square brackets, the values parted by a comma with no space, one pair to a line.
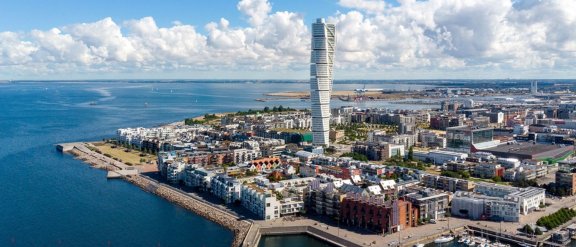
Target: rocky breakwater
[237,226]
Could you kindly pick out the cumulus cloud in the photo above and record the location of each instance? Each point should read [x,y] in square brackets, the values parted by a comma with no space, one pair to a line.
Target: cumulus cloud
[432,37]
[449,35]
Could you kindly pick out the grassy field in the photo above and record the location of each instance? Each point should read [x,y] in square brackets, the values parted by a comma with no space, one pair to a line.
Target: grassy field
[487,180]
[133,157]
[432,171]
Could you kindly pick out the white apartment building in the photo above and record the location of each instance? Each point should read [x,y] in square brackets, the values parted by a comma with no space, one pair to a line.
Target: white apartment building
[476,206]
[264,203]
[225,188]
[175,172]
[198,178]
[242,155]
[528,199]
[260,201]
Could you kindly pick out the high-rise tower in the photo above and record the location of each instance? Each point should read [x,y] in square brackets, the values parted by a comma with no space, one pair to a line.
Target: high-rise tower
[321,76]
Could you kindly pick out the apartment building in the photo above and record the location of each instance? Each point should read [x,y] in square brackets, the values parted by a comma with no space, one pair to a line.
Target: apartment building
[225,188]
[376,214]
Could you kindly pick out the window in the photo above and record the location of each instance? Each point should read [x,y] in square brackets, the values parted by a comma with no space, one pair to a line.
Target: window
[267,204]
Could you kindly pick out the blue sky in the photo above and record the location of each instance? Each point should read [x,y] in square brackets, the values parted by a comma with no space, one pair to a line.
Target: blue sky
[23,15]
[270,39]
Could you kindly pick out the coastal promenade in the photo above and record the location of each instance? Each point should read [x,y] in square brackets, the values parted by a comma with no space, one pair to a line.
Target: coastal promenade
[205,209]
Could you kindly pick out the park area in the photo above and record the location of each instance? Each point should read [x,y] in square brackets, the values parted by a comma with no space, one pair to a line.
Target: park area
[131,157]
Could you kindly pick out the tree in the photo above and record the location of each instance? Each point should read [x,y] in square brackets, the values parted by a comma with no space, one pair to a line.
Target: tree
[398,156]
[355,156]
[411,153]
[538,231]
[266,109]
[527,229]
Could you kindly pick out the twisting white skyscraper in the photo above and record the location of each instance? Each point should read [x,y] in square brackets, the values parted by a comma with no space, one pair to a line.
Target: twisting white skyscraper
[321,71]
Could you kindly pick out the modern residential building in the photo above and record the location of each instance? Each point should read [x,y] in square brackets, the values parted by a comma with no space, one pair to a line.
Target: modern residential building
[528,199]
[260,201]
[225,188]
[376,214]
[175,172]
[379,150]
[566,180]
[198,178]
[323,198]
[431,204]
[488,170]
[476,206]
[321,76]
[447,183]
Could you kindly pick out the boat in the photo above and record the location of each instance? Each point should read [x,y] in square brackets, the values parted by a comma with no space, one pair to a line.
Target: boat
[444,239]
[419,245]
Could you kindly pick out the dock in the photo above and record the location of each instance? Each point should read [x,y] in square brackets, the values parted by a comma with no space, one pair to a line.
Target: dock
[121,173]
[505,237]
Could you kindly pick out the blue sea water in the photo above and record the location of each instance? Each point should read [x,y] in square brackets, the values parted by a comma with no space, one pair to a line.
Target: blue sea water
[51,199]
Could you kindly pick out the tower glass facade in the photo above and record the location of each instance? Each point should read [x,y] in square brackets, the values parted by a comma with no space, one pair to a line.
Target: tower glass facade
[321,77]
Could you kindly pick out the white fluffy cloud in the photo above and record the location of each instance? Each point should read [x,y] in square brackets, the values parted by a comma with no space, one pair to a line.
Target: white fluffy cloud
[434,38]
[455,35]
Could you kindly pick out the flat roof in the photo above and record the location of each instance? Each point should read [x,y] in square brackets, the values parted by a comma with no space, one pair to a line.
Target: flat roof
[469,128]
[523,148]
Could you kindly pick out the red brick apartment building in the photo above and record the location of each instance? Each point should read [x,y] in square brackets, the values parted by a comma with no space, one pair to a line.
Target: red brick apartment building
[373,213]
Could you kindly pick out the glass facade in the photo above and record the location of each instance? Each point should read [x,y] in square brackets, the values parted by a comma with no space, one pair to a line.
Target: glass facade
[464,137]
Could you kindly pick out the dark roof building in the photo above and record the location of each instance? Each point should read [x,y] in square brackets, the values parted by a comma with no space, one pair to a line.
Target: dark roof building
[530,150]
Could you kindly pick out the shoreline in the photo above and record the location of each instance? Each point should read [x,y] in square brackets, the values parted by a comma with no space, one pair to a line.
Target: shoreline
[235,224]
[400,95]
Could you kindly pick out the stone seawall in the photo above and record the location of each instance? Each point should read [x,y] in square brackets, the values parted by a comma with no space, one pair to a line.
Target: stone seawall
[237,226]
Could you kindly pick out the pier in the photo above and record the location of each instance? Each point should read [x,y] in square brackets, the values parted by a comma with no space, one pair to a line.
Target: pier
[516,239]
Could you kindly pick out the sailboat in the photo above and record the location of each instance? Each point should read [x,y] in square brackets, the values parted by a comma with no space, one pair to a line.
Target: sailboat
[445,238]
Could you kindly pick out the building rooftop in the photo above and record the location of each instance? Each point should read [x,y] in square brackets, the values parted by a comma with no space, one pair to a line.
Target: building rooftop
[524,148]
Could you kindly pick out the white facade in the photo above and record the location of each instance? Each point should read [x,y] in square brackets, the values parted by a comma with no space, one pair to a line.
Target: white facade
[225,188]
[175,172]
[260,201]
[528,199]
[243,155]
[198,178]
[321,76]
[439,156]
